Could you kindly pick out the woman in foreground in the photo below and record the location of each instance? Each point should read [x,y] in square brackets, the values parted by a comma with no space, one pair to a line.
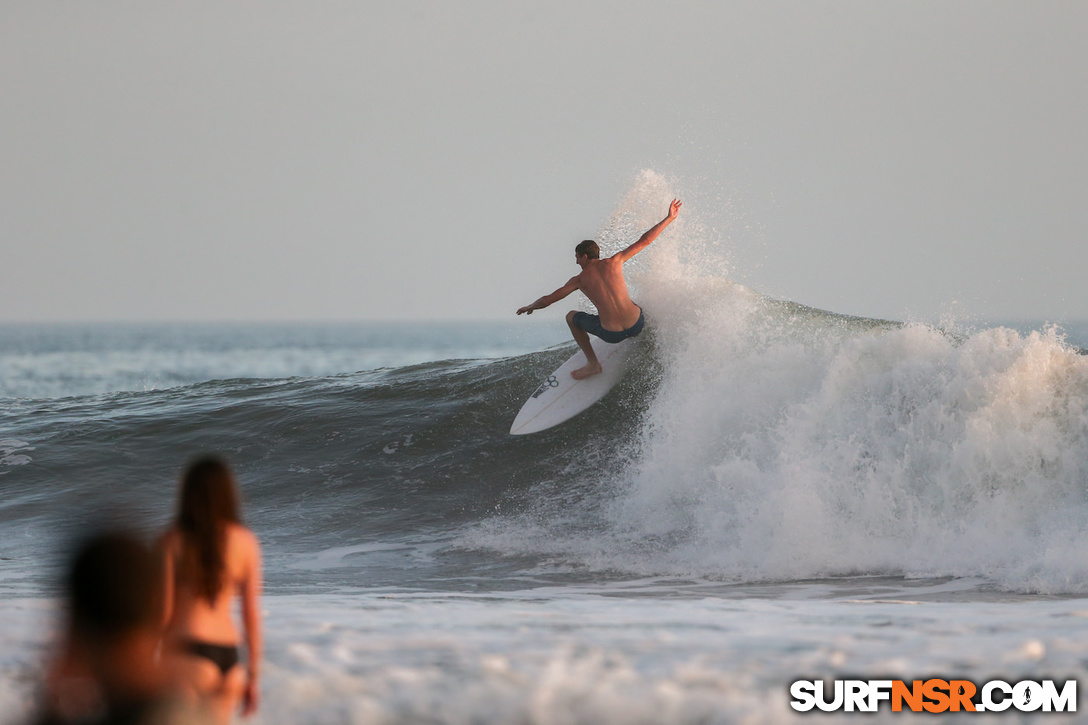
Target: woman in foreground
[209,558]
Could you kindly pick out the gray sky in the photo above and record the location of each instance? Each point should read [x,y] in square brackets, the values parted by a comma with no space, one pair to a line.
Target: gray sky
[364,160]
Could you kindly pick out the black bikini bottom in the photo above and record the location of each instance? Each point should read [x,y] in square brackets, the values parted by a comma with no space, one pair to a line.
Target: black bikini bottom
[225,657]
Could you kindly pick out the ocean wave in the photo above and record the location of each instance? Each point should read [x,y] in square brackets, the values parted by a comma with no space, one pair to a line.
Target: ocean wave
[752,440]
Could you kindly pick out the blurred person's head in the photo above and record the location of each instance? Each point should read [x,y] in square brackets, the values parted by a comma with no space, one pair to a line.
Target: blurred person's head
[113,589]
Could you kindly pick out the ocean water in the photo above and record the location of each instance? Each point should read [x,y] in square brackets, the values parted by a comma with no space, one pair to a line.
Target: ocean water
[772,493]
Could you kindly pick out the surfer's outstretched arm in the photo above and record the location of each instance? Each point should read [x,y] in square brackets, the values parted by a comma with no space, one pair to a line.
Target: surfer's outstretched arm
[651,233]
[571,285]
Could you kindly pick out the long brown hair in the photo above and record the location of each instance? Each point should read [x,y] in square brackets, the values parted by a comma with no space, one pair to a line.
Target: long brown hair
[207,502]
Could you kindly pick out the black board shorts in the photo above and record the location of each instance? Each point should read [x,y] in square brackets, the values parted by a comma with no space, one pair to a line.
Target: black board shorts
[592,325]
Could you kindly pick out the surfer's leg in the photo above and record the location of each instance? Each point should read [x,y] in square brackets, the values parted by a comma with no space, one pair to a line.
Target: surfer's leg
[592,366]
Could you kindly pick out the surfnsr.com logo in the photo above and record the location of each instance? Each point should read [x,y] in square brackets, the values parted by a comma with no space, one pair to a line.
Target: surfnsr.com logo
[934,695]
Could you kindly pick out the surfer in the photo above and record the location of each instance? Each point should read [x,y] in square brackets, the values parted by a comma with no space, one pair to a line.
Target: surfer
[601,280]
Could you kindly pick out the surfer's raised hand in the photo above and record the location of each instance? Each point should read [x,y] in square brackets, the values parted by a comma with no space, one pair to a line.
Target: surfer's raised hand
[650,235]
[526,310]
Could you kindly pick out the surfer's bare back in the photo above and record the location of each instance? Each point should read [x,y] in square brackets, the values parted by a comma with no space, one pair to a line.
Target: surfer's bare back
[601,280]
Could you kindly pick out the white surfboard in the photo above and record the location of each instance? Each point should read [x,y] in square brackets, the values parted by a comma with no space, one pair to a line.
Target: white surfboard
[560,397]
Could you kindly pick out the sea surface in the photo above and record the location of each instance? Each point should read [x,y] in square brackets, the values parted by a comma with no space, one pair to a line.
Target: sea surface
[772,493]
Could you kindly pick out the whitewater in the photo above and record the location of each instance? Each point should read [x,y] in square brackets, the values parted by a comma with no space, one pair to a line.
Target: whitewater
[772,493]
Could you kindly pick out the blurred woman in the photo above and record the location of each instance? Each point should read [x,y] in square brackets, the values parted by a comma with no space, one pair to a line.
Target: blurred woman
[210,558]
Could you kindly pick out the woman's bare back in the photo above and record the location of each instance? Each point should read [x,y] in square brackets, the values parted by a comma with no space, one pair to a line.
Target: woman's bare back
[189,613]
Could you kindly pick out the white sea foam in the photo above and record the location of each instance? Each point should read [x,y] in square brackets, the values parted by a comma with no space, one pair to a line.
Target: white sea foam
[891,451]
[570,657]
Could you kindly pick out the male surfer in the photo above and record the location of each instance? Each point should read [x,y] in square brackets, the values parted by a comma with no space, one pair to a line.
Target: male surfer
[601,280]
